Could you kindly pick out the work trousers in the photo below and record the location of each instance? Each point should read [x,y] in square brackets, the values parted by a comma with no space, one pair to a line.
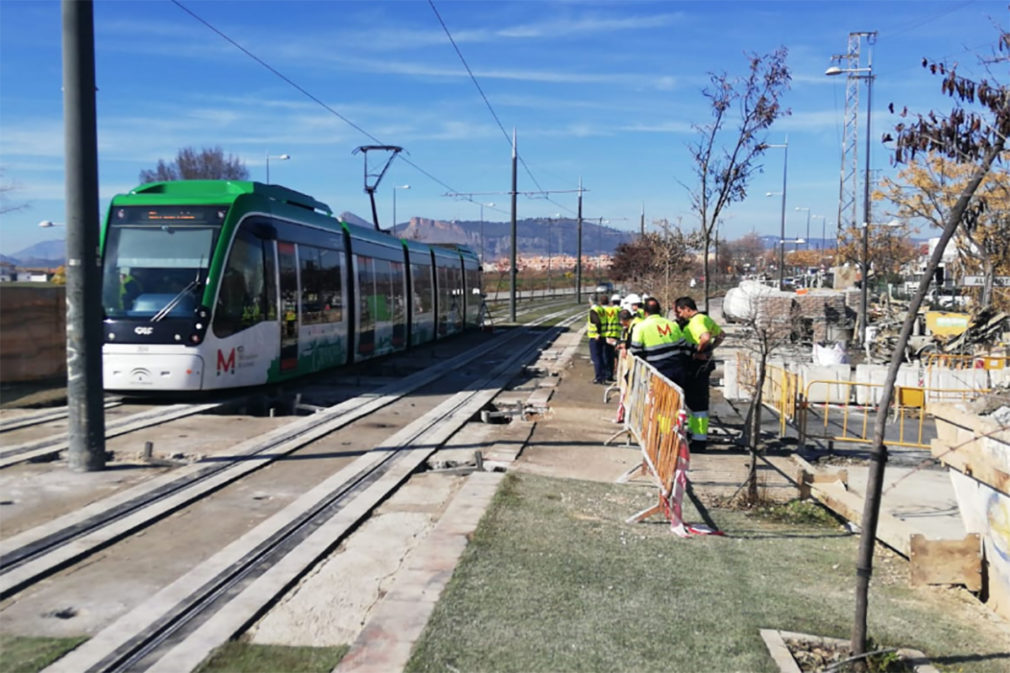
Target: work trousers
[696,394]
[609,360]
[596,354]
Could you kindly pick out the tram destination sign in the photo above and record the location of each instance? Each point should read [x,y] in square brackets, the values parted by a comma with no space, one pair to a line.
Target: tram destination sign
[979,281]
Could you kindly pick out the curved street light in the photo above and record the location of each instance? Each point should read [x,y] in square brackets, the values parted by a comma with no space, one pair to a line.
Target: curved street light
[482,205]
[395,187]
[45,224]
[279,157]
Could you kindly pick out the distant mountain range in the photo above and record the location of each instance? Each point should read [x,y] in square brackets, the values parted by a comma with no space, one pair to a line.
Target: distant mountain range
[533,237]
[45,254]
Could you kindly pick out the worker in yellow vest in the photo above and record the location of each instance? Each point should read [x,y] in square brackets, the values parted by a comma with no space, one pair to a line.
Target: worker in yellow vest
[704,335]
[597,338]
[612,332]
[661,343]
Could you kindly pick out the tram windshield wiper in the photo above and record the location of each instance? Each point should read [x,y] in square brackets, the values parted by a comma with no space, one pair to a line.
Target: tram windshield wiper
[192,285]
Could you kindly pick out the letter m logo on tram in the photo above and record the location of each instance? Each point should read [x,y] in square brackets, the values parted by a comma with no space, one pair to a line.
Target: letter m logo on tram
[225,364]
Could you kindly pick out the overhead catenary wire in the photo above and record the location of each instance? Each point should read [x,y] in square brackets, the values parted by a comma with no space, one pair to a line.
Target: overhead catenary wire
[304,91]
[487,103]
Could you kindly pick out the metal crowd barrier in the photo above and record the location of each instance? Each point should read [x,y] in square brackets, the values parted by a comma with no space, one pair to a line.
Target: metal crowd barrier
[653,413]
[843,409]
[953,361]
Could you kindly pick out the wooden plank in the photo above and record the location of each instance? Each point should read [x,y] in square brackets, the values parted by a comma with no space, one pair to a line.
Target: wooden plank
[946,561]
[891,531]
[969,459]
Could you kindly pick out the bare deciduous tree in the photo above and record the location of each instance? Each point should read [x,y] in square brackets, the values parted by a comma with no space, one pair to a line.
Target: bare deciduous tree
[726,158]
[207,164]
[6,187]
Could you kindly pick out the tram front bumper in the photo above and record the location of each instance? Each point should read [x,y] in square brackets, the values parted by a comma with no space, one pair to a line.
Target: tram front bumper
[152,371]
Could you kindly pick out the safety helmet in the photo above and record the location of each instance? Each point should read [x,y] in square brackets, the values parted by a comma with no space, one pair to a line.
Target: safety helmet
[632,299]
[616,299]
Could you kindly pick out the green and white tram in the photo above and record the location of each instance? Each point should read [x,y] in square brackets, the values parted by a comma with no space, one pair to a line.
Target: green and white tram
[217,284]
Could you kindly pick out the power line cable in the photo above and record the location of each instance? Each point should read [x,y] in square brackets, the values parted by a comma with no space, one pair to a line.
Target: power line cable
[487,103]
[302,90]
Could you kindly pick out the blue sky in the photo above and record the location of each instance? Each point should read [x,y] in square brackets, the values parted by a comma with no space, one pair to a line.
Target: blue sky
[605,91]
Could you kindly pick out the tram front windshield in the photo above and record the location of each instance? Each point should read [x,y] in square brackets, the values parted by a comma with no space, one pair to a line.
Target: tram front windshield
[156,259]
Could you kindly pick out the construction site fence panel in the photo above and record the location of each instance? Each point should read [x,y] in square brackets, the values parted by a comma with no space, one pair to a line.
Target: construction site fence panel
[835,402]
[655,416]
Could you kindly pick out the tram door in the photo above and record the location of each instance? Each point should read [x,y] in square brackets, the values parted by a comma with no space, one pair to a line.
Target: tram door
[288,263]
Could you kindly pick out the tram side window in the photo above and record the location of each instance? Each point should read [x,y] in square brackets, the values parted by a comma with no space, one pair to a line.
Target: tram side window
[332,284]
[242,297]
[397,277]
[420,275]
[381,300]
[312,303]
[366,291]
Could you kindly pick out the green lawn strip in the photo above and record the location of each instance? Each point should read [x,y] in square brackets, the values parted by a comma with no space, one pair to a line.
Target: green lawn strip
[240,657]
[554,580]
[23,654]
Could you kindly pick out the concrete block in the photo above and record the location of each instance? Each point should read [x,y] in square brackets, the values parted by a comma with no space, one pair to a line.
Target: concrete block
[867,374]
[817,391]
[731,389]
[949,385]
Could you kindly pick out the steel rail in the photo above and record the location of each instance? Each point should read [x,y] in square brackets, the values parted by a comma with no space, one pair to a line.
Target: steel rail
[248,574]
[36,553]
[40,416]
[46,446]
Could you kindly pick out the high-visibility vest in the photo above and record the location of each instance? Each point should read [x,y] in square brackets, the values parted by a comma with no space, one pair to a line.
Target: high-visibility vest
[594,329]
[698,325]
[660,342]
[612,323]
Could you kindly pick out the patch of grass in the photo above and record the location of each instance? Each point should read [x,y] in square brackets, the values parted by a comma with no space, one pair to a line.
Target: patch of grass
[804,512]
[554,580]
[23,654]
[239,657]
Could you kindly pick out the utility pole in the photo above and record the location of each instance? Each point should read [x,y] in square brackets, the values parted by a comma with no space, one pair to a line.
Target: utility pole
[578,259]
[641,225]
[85,406]
[514,271]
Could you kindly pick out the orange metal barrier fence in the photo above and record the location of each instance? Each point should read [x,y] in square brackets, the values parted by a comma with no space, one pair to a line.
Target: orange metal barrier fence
[653,412]
[843,412]
[844,422]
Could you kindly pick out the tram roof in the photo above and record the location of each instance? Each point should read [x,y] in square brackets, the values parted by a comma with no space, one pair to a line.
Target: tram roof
[210,192]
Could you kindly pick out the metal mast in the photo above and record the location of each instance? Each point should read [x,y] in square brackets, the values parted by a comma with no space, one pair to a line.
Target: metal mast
[848,186]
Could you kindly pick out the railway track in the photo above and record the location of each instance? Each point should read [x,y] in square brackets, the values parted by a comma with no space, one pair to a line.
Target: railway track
[37,552]
[176,628]
[42,416]
[52,444]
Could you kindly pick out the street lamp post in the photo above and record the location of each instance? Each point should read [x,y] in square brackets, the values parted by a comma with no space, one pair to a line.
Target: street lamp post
[395,187]
[867,74]
[823,230]
[782,224]
[549,220]
[279,157]
[489,205]
[782,246]
[801,208]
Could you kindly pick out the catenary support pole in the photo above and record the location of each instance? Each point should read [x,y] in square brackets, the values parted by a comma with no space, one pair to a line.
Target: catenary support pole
[514,270]
[86,416]
[578,256]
